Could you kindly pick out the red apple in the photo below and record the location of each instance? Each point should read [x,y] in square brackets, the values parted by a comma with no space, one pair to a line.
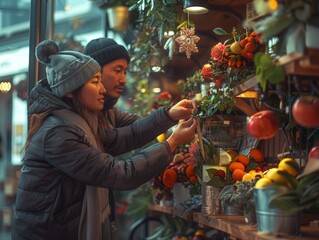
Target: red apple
[263,125]
[305,111]
[314,153]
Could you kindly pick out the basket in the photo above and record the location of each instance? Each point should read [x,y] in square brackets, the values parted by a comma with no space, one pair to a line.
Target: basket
[225,132]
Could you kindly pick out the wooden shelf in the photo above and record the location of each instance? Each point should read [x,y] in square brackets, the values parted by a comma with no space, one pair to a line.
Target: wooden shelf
[235,225]
[296,63]
[247,85]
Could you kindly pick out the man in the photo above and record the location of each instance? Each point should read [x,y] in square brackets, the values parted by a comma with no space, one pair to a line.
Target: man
[113,59]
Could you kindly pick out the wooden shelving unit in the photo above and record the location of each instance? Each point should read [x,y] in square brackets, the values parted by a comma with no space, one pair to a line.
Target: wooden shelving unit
[235,226]
[300,64]
[305,64]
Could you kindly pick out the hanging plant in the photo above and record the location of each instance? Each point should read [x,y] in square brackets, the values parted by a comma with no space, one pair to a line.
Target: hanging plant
[155,18]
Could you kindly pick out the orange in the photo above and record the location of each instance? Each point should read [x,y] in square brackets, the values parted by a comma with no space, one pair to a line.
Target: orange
[238,63]
[251,39]
[236,165]
[243,42]
[250,47]
[243,159]
[257,155]
[253,34]
[169,177]
[190,171]
[238,174]
[193,179]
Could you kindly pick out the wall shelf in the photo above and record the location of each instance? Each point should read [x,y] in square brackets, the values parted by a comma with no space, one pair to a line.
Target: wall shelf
[296,63]
[235,226]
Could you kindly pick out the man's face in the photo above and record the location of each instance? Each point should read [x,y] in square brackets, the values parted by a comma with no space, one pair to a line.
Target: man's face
[114,77]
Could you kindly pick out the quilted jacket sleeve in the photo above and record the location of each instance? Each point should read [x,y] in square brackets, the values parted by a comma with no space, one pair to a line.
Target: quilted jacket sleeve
[66,150]
[142,131]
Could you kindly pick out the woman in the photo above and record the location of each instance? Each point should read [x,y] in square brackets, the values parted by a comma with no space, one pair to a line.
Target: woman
[62,192]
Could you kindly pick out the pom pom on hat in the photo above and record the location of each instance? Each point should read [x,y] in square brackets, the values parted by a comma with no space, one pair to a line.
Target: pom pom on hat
[65,70]
[44,50]
[105,50]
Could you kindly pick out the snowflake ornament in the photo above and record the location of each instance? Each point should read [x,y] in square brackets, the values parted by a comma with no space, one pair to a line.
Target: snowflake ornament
[187,41]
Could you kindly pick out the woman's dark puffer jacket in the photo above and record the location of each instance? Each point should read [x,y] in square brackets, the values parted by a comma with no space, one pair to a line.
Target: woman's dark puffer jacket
[59,163]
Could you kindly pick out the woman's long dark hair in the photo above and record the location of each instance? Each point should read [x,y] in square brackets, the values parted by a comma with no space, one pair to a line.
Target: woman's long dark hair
[95,120]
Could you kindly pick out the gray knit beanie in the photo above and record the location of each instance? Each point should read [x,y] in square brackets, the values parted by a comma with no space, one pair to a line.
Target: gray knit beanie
[105,50]
[65,70]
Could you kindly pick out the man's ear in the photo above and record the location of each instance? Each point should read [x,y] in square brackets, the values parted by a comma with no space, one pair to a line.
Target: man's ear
[69,94]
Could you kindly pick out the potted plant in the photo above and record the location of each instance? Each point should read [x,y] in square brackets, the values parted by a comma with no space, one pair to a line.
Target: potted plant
[284,195]
[117,13]
[291,20]
[239,199]
[302,198]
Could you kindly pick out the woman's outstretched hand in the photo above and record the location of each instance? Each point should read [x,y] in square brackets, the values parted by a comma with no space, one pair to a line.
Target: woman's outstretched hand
[183,133]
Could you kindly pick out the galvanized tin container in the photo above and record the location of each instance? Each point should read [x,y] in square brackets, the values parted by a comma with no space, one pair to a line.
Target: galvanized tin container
[274,220]
[210,200]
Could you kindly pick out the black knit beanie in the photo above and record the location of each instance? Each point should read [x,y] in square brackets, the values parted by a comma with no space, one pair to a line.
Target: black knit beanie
[105,50]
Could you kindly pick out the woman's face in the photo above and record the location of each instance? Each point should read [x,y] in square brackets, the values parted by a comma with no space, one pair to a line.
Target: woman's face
[92,93]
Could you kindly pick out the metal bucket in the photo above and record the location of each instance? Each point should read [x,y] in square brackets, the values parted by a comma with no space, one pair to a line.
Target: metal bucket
[210,200]
[232,210]
[274,220]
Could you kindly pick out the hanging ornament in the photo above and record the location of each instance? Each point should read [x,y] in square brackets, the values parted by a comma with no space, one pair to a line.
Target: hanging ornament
[187,41]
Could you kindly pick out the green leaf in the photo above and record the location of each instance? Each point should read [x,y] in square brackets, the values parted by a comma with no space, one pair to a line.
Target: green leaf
[287,202]
[257,57]
[277,75]
[220,31]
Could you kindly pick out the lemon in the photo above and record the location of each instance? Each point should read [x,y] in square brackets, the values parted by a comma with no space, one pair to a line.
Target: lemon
[262,182]
[235,47]
[278,176]
[248,177]
[224,157]
[290,166]
[161,137]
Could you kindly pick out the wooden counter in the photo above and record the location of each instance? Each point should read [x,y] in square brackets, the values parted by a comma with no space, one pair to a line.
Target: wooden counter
[235,225]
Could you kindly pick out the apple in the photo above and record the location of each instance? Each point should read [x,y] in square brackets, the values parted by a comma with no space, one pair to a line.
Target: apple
[263,124]
[305,111]
[314,153]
